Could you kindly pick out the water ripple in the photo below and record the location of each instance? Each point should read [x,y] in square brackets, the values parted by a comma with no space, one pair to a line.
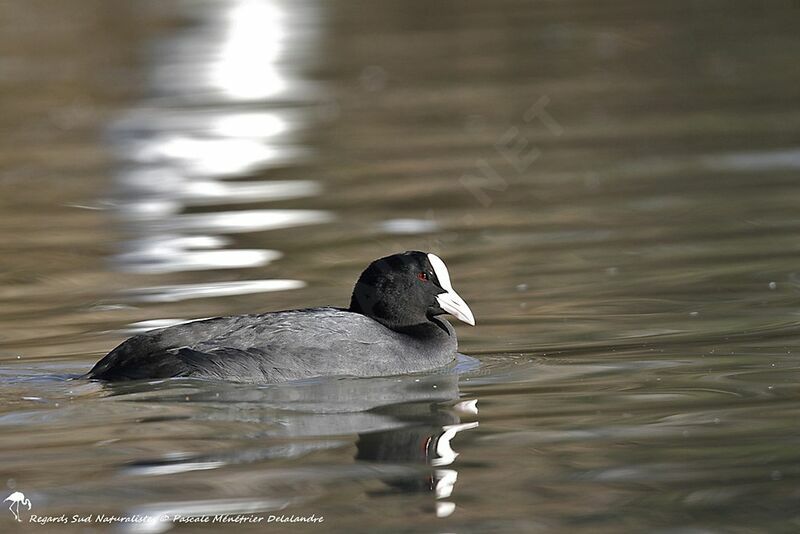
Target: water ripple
[176,293]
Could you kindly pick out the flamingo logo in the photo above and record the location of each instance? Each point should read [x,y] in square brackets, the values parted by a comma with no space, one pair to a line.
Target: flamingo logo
[16,499]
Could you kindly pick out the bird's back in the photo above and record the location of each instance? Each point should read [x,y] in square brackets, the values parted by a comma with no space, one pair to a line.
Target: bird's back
[278,346]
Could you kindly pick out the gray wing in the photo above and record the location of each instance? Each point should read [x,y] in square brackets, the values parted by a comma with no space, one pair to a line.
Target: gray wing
[293,345]
[149,355]
[270,347]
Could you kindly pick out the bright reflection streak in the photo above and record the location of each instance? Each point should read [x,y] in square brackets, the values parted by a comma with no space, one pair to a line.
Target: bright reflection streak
[178,293]
[140,327]
[409,226]
[173,468]
[210,157]
[188,260]
[218,192]
[162,192]
[255,125]
[215,117]
[767,160]
[248,64]
[227,222]
[169,253]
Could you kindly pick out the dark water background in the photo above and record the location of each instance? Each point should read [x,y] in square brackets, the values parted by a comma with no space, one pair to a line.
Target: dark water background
[614,187]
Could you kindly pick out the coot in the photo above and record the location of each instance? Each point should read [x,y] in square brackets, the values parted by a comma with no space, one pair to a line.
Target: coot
[393,326]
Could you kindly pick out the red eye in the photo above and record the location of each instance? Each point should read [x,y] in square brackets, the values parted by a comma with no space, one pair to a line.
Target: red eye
[423,276]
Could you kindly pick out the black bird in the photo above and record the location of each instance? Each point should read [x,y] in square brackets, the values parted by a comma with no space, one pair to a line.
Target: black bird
[393,326]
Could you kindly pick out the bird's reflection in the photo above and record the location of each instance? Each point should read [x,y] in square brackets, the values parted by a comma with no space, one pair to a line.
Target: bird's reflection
[424,443]
[404,425]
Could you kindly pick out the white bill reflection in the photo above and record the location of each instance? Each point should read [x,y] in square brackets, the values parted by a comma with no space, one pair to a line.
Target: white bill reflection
[445,453]
[444,480]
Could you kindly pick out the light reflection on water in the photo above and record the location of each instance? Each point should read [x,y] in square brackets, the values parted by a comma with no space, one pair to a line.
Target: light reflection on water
[217,289]
[636,285]
[181,148]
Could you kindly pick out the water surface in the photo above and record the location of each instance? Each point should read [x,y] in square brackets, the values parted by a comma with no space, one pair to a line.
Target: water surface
[614,189]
